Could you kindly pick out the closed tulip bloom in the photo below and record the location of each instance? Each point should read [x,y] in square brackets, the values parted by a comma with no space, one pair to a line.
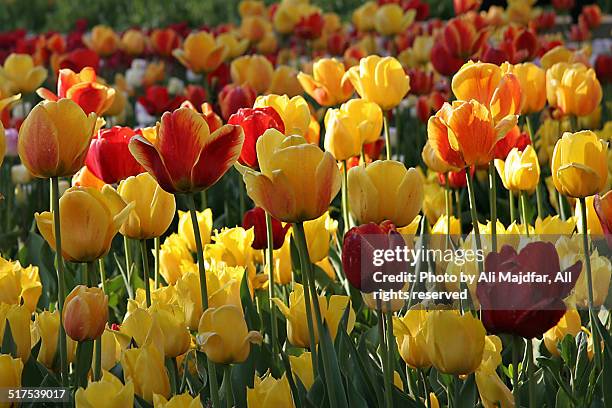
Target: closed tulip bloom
[533,85]
[285,82]
[164,41]
[233,97]
[10,372]
[186,157]
[326,85]
[464,134]
[601,271]
[115,394]
[90,220]
[455,343]
[411,338]
[385,190]
[102,39]
[364,16]
[256,219]
[153,210]
[145,368]
[54,138]
[293,111]
[83,88]
[270,392]
[46,330]
[171,321]
[520,171]
[133,42]
[579,164]
[18,74]
[18,317]
[493,392]
[318,234]
[178,401]
[85,313]
[224,336]
[568,325]
[253,70]
[391,19]
[573,88]
[379,80]
[200,52]
[185,227]
[302,367]
[234,46]
[109,158]
[288,192]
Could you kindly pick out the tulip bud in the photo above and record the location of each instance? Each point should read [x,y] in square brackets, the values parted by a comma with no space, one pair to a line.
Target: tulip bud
[133,42]
[270,392]
[115,394]
[253,70]
[256,219]
[411,338]
[318,234]
[109,158]
[302,367]
[200,53]
[569,324]
[233,97]
[85,313]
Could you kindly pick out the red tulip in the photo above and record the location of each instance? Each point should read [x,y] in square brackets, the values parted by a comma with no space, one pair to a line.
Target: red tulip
[461,39]
[421,81]
[309,27]
[186,156]
[533,308]
[157,100]
[195,94]
[603,68]
[164,41]
[233,97]
[563,5]
[456,179]
[591,16]
[78,59]
[427,105]
[109,157]
[256,219]
[603,208]
[514,138]
[254,122]
[545,21]
[463,6]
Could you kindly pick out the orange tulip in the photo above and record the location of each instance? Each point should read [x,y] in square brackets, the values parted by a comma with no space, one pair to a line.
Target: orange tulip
[133,42]
[85,313]
[200,52]
[164,41]
[102,39]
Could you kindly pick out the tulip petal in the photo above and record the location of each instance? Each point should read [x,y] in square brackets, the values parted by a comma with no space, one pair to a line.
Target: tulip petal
[39,143]
[148,157]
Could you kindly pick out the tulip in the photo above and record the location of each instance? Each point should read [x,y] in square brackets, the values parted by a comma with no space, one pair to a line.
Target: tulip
[594,227]
[133,42]
[447,355]
[294,112]
[285,82]
[85,178]
[17,317]
[256,219]
[203,158]
[390,19]
[234,46]
[520,171]
[157,100]
[111,348]
[579,164]
[536,307]
[569,324]
[493,392]
[167,321]
[173,254]
[254,123]
[513,139]
[302,367]
[306,190]
[379,80]
[54,138]
[103,40]
[326,85]
[109,158]
[85,313]
[364,16]
[411,338]
[90,220]
[46,330]
[253,70]
[178,401]
[200,52]
[233,97]
[356,123]
[554,225]
[573,89]
[115,394]
[464,134]
[153,210]
[310,25]
[251,8]
[145,368]
[254,29]
[533,85]
[318,234]
[78,59]
[224,336]
[10,369]
[603,209]
[463,6]
[164,41]
[19,285]
[185,227]
[18,74]
[270,392]
[83,89]
[385,190]
[601,271]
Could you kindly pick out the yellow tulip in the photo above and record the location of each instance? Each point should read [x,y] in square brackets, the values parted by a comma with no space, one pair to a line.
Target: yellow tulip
[185,227]
[111,349]
[153,210]
[178,401]
[133,42]
[434,162]
[253,70]
[288,192]
[579,164]
[390,19]
[46,330]
[601,270]
[379,80]
[18,74]
[573,88]
[569,324]
[90,220]
[410,337]
[85,313]
[19,285]
[289,13]
[270,392]
[54,138]
[293,111]
[146,369]
[251,8]
[326,85]
[385,190]
[302,367]
[533,85]
[235,47]
[561,54]
[224,336]
[554,225]
[455,342]
[493,392]
[232,247]
[174,256]
[593,224]
[255,28]
[200,52]
[364,16]
[348,128]
[18,319]
[10,373]
[109,392]
[102,39]
[285,82]
[318,234]
[283,268]
[418,54]
[268,44]
[520,171]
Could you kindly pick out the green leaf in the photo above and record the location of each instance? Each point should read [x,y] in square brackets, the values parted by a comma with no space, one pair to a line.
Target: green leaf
[8,344]
[250,311]
[84,356]
[335,377]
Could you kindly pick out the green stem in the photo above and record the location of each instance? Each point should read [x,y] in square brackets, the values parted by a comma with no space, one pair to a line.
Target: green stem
[102,273]
[128,265]
[157,264]
[175,375]
[523,200]
[61,282]
[390,350]
[204,200]
[270,263]
[145,270]
[345,205]
[229,395]
[241,194]
[512,206]
[530,373]
[560,200]
[387,136]
[459,209]
[383,357]
[97,374]
[90,273]
[470,186]
[493,204]
[539,201]
[455,391]
[425,388]
[516,345]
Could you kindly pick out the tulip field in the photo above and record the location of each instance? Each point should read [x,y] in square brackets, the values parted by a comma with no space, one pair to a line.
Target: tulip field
[304,204]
